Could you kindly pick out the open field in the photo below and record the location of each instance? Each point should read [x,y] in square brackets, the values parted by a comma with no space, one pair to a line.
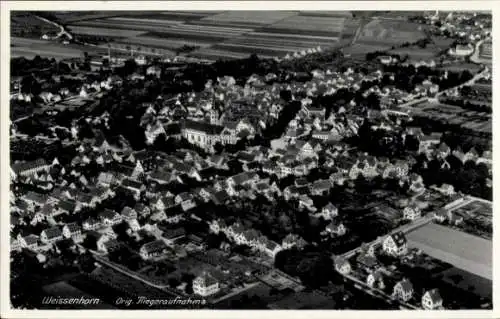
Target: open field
[25,24]
[232,34]
[464,251]
[474,121]
[251,17]
[104,32]
[235,34]
[390,32]
[480,286]
[461,66]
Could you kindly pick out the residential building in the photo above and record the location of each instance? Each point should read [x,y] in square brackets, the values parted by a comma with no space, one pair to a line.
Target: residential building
[205,285]
[395,244]
[51,235]
[342,265]
[403,290]
[153,249]
[431,300]
[376,280]
[73,231]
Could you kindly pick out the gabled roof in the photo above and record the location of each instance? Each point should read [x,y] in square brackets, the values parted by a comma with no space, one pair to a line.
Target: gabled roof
[205,280]
[131,183]
[203,127]
[154,246]
[434,296]
[31,239]
[35,197]
[53,232]
[406,285]
[107,214]
[73,227]
[399,239]
[128,212]
[24,166]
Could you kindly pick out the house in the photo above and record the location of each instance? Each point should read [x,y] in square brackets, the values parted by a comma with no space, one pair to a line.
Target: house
[395,244]
[293,240]
[328,212]
[431,300]
[15,245]
[320,187]
[29,168]
[172,235]
[108,245]
[205,285]
[183,197]
[342,265]
[454,218]
[443,150]
[403,290]
[34,199]
[306,202]
[109,217]
[447,189]
[29,242]
[153,249]
[173,215]
[142,209]
[162,176]
[440,215]
[376,280]
[271,248]
[73,231]
[411,212]
[133,225]
[106,179]
[367,261]
[67,207]
[217,226]
[136,187]
[128,213]
[91,224]
[336,228]
[51,235]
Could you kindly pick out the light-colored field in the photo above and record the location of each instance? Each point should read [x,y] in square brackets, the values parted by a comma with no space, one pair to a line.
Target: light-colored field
[464,251]
[162,43]
[232,34]
[48,52]
[391,32]
[257,17]
[30,48]
[144,20]
[307,23]
[76,29]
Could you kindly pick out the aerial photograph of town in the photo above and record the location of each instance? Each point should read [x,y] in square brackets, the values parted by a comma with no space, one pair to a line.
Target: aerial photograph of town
[271,160]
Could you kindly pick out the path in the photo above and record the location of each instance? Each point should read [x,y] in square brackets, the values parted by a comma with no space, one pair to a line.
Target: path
[61,28]
[133,275]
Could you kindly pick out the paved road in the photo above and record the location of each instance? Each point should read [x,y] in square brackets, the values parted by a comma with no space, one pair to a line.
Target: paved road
[475,56]
[471,81]
[61,28]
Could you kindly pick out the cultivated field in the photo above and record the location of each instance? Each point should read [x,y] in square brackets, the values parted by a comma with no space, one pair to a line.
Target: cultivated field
[390,32]
[478,122]
[28,25]
[464,251]
[29,48]
[235,34]
[230,34]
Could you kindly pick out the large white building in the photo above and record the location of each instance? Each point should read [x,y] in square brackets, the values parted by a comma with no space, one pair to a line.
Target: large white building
[205,285]
[206,135]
